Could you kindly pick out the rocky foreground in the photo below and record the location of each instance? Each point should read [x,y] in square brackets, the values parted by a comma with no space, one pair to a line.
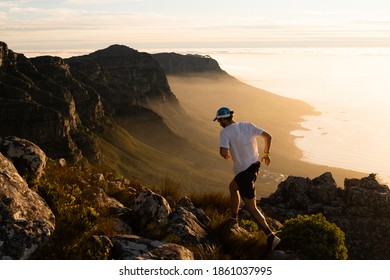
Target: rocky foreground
[27,222]
[361,210]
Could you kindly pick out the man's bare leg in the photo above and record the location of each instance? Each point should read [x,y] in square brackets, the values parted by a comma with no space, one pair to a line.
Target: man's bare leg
[234,198]
[250,205]
[272,239]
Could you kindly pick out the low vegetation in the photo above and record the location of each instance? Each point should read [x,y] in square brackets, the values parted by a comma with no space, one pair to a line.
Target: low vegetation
[79,219]
[314,238]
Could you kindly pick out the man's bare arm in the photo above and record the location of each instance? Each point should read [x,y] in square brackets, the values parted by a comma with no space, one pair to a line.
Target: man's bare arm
[224,152]
[267,146]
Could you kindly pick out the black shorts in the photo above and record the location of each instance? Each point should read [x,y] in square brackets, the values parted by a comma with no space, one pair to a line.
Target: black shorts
[246,180]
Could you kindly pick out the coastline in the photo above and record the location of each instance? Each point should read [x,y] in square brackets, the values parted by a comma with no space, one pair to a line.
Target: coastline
[331,140]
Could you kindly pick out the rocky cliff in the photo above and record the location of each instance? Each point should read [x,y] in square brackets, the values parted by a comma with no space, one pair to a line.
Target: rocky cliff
[174,63]
[33,106]
[124,77]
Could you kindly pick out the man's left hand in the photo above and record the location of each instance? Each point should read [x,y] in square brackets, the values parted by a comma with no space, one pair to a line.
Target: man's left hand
[266,159]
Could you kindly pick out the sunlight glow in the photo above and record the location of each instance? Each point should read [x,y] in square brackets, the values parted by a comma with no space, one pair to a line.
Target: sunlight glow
[152,23]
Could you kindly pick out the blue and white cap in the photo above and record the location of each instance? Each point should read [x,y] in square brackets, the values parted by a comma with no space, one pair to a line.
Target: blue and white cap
[223,112]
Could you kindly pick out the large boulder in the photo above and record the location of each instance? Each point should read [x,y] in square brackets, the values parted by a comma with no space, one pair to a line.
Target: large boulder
[119,214]
[323,189]
[367,198]
[27,157]
[189,223]
[150,207]
[132,247]
[104,203]
[26,221]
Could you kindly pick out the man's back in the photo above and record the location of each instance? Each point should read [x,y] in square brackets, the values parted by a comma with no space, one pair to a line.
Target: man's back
[240,139]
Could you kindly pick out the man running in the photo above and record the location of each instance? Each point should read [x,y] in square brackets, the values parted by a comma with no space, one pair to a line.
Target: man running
[238,141]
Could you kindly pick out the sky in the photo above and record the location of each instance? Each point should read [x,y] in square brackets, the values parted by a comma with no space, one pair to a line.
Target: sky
[41,25]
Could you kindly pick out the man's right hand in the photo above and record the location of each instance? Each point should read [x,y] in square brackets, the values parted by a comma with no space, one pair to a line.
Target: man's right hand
[225,153]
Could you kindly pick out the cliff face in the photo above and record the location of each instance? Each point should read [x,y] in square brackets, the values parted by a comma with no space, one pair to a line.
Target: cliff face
[34,107]
[87,102]
[173,63]
[130,84]
[124,77]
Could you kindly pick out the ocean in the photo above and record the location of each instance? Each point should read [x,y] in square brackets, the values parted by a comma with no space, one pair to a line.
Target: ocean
[349,86]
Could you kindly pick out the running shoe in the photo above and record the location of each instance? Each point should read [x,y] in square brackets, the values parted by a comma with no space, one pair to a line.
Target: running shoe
[272,242]
[232,223]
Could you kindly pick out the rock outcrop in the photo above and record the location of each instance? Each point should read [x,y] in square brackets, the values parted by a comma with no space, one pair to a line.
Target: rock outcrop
[150,207]
[102,202]
[133,247]
[26,222]
[186,222]
[27,157]
[190,224]
[361,209]
[174,63]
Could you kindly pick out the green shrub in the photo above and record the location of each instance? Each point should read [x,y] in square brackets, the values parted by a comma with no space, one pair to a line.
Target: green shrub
[314,238]
[77,218]
[249,225]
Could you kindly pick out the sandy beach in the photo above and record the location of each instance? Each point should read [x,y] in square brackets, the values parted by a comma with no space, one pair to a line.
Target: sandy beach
[202,95]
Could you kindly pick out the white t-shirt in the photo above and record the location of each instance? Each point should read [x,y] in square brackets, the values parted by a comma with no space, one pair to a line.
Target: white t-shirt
[240,139]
